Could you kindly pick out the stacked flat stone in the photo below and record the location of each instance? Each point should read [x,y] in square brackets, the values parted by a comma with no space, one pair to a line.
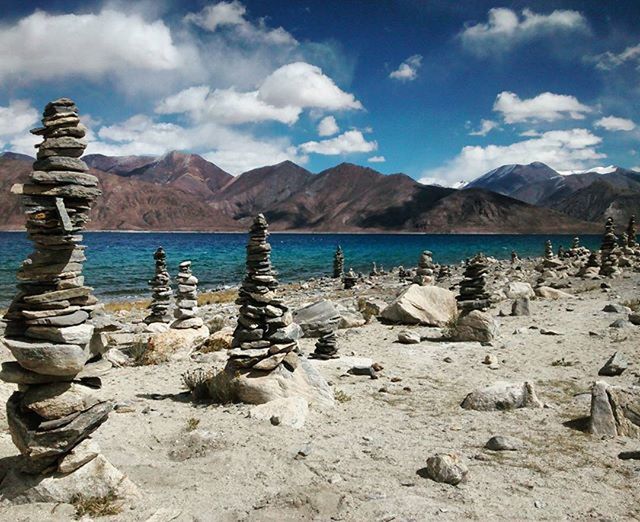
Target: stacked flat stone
[443,272]
[262,339]
[548,250]
[374,270]
[624,239]
[631,233]
[186,299]
[338,263]
[608,259]
[327,345]
[473,288]
[350,279]
[514,257]
[48,323]
[424,273]
[161,291]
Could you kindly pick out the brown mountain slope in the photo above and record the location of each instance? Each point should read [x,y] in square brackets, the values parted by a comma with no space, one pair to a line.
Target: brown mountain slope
[121,165]
[14,168]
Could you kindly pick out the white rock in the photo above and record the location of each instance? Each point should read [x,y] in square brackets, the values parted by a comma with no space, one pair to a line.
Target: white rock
[79,456]
[518,289]
[408,337]
[428,305]
[546,292]
[290,411]
[502,396]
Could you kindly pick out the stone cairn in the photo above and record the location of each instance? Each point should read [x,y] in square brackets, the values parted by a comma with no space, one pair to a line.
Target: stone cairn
[443,272]
[327,345]
[631,233]
[161,291]
[608,259]
[48,323]
[338,263]
[374,270]
[473,288]
[424,273]
[548,250]
[350,279]
[514,257]
[187,299]
[261,340]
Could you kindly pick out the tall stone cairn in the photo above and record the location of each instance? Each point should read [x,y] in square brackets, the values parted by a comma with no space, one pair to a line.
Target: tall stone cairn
[261,340]
[187,299]
[338,263]
[548,249]
[424,273]
[48,323]
[631,233]
[473,288]
[608,259]
[161,291]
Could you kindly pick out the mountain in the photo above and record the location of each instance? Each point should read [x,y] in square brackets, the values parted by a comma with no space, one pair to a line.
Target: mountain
[518,181]
[121,165]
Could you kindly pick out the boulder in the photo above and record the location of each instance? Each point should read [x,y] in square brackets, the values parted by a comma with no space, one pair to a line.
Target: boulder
[427,305]
[220,340]
[349,319]
[475,326]
[179,340]
[520,307]
[500,443]
[615,308]
[316,317]
[289,411]
[615,411]
[517,289]
[502,396]
[615,366]
[546,292]
[447,468]
[408,337]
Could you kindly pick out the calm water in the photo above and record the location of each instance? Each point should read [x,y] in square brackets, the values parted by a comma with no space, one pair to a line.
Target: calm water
[119,264]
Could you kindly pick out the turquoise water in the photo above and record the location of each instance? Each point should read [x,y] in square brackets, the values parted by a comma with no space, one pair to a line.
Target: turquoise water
[119,264]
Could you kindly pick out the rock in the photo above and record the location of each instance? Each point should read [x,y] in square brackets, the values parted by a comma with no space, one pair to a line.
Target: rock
[179,340]
[447,468]
[316,317]
[55,400]
[72,319]
[369,307]
[290,411]
[634,319]
[220,340]
[157,328]
[408,337]
[289,333]
[520,307]
[500,443]
[79,456]
[546,292]
[475,326]
[428,305]
[349,319]
[80,334]
[614,366]
[616,308]
[615,411]
[96,478]
[502,396]
[518,290]
[620,323]
[48,358]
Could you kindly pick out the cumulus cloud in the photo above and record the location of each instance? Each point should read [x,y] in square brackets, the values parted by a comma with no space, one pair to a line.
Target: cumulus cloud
[609,60]
[232,15]
[486,126]
[377,159]
[544,107]
[44,47]
[348,142]
[505,28]
[328,126]
[560,149]
[613,123]
[408,70]
[17,117]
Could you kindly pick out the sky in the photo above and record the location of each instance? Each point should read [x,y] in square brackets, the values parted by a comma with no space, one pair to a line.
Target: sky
[441,91]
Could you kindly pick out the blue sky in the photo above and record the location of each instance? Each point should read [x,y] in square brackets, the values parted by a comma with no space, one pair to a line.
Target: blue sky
[441,91]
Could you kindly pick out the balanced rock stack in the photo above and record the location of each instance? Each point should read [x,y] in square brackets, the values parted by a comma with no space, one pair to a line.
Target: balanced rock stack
[608,259]
[374,270]
[327,345]
[631,233]
[443,272]
[338,263]
[473,291]
[591,268]
[161,291]
[262,339]
[350,279]
[424,273]
[48,322]
[187,299]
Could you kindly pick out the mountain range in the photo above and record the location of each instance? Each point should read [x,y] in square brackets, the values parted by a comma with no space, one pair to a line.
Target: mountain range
[180,191]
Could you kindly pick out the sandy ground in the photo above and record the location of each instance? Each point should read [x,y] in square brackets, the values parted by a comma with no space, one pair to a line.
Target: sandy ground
[363,459]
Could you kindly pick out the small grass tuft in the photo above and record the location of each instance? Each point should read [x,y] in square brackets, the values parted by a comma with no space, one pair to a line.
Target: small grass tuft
[563,363]
[104,506]
[449,329]
[634,304]
[192,423]
[220,296]
[197,382]
[126,306]
[341,396]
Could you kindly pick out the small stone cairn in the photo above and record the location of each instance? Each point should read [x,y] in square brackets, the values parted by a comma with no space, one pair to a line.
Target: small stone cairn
[374,270]
[424,273]
[338,263]
[514,257]
[48,323]
[473,288]
[326,346]
[350,279]
[260,341]
[161,291]
[608,259]
[443,272]
[187,299]
[631,233]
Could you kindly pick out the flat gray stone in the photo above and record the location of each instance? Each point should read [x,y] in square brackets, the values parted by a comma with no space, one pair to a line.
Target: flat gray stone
[48,358]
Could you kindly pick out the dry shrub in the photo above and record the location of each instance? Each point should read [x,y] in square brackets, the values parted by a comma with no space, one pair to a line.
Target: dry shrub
[196,381]
[96,506]
[208,385]
[220,296]
[192,423]
[449,329]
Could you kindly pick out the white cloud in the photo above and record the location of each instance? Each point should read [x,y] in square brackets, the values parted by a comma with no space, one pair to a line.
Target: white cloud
[560,149]
[530,133]
[408,70]
[232,15]
[43,46]
[225,106]
[328,126]
[505,28]
[300,84]
[16,118]
[613,123]
[377,159]
[486,126]
[544,107]
[348,142]
[607,61]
